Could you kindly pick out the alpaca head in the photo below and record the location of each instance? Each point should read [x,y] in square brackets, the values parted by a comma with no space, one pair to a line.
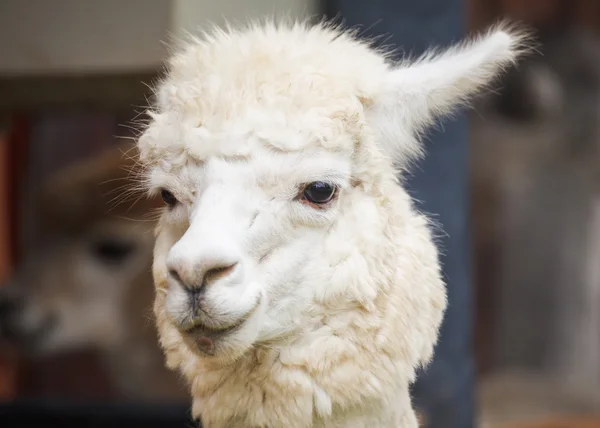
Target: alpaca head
[276,150]
[85,284]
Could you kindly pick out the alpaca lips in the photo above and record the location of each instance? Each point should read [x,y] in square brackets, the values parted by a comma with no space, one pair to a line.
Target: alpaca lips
[205,344]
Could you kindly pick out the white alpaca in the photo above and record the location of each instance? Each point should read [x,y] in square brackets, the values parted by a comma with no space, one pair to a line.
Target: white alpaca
[297,286]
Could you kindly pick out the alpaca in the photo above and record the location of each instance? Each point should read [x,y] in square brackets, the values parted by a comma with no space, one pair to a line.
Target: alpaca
[297,285]
[90,285]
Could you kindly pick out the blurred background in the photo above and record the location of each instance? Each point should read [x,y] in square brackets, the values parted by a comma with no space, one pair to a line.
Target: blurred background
[75,253]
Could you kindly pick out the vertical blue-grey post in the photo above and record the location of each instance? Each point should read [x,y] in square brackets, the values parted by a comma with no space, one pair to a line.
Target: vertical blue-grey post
[445,391]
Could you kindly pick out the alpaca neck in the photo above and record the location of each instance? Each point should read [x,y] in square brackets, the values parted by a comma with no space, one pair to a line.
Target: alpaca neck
[398,414]
[285,404]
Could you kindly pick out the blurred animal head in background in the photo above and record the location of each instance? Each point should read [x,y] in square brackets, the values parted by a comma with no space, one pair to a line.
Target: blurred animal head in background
[72,291]
[88,284]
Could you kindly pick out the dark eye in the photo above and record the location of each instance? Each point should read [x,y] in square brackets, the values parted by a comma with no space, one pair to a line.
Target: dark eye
[168,197]
[112,250]
[319,192]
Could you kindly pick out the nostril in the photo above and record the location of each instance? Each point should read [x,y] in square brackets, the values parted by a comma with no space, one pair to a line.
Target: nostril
[9,310]
[201,276]
[217,273]
[173,273]
[8,307]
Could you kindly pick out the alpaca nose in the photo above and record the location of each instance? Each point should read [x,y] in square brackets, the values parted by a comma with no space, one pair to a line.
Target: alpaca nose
[196,277]
[209,251]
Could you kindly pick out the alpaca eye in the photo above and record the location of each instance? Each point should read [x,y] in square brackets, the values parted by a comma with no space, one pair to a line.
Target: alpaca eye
[112,251]
[168,197]
[319,192]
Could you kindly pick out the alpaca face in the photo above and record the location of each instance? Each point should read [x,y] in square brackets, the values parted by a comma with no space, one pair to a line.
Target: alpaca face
[87,284]
[274,150]
[73,294]
[243,234]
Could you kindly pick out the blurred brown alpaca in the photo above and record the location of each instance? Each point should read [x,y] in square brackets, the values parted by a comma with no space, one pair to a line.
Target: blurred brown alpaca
[89,285]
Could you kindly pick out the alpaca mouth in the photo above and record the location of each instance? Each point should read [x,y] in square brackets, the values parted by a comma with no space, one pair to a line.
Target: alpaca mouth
[202,329]
[204,336]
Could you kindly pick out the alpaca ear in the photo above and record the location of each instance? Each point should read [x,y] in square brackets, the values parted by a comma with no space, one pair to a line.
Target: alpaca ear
[415,94]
